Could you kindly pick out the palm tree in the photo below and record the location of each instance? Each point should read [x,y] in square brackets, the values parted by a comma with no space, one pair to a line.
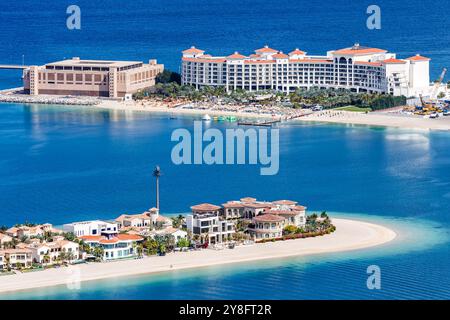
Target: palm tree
[8,263]
[46,258]
[99,252]
[177,221]
[157,174]
[62,256]
[70,256]
[140,249]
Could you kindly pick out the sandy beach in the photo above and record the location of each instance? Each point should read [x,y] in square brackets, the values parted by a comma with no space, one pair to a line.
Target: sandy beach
[386,119]
[349,235]
[380,119]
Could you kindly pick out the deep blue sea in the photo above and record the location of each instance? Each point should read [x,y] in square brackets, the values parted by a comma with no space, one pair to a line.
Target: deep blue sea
[60,164]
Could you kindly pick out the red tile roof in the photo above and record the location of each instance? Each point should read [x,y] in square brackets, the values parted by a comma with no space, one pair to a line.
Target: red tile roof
[359,51]
[248,199]
[418,57]
[205,60]
[282,212]
[266,49]
[205,207]
[280,55]
[236,55]
[193,50]
[258,205]
[91,238]
[393,61]
[118,238]
[268,218]
[233,205]
[311,60]
[128,237]
[285,202]
[297,51]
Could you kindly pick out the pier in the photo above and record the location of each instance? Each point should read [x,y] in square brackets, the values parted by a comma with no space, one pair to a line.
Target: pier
[269,123]
[13,66]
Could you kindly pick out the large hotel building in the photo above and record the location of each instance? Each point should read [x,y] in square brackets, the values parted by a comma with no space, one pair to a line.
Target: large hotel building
[358,68]
[90,77]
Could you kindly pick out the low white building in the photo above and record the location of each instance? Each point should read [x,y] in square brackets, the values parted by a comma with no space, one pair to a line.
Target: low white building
[177,234]
[15,258]
[91,228]
[115,247]
[50,252]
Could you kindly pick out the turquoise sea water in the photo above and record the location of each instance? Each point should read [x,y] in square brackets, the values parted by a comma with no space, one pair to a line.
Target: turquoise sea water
[63,164]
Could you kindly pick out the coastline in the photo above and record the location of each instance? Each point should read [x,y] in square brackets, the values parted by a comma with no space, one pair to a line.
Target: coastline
[383,119]
[380,118]
[349,235]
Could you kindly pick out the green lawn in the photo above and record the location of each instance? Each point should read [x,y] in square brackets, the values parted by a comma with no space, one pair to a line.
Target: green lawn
[353,109]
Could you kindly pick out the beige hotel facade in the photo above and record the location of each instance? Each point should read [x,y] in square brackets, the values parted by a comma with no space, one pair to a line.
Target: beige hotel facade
[357,68]
[113,79]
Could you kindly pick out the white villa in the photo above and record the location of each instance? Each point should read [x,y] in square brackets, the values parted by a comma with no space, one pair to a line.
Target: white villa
[176,233]
[148,219]
[91,228]
[357,68]
[114,247]
[52,251]
[15,257]
[215,224]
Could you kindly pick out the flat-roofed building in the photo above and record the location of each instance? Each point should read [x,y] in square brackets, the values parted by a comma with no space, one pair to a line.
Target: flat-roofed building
[91,77]
[91,228]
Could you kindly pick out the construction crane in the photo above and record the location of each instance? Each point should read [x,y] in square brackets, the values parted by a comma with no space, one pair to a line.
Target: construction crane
[437,84]
[427,108]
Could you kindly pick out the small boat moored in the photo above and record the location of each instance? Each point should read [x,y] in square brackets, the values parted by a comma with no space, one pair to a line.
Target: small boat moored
[206,117]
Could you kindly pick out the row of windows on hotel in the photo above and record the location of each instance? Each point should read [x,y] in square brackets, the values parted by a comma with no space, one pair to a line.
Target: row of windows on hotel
[189,70]
[84,68]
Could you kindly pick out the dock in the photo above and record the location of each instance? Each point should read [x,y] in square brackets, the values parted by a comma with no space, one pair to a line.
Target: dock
[269,123]
[259,124]
[13,66]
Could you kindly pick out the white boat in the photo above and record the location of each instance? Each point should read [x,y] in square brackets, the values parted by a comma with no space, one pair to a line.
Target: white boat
[206,117]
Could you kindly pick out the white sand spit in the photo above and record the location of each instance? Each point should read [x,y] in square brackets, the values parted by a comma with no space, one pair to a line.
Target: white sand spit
[349,235]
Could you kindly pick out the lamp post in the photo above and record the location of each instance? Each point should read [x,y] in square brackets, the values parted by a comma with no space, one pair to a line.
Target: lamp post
[157,174]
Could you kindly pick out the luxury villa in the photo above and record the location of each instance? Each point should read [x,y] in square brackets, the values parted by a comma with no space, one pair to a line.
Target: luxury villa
[216,224]
[357,68]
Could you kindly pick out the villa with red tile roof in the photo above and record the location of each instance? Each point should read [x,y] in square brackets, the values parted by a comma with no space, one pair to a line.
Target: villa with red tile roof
[216,224]
[356,68]
[114,247]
